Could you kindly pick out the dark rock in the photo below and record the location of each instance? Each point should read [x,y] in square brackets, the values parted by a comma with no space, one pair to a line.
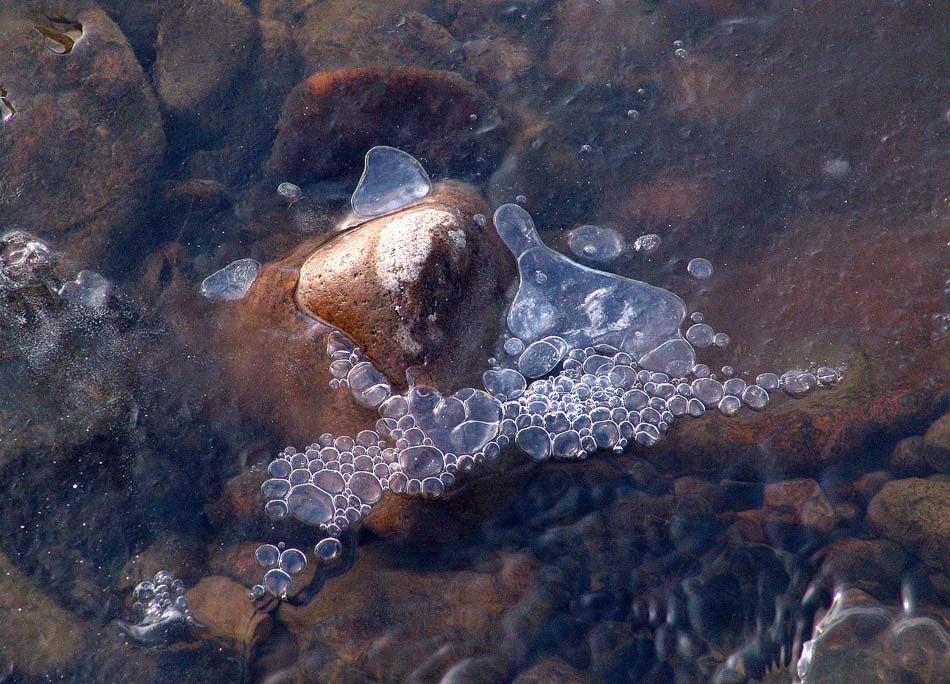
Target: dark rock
[909,457]
[552,670]
[915,513]
[231,617]
[201,48]
[937,445]
[78,158]
[798,503]
[331,119]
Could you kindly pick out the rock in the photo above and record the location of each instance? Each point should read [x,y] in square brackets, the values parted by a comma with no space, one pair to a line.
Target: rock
[799,503]
[595,42]
[181,555]
[39,636]
[495,60]
[937,444]
[870,484]
[201,48]
[223,606]
[338,35]
[915,513]
[396,284]
[239,505]
[80,153]
[871,565]
[329,121]
[551,670]
[909,457]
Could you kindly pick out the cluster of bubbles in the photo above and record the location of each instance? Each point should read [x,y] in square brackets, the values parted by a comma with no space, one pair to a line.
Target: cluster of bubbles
[593,362]
[162,610]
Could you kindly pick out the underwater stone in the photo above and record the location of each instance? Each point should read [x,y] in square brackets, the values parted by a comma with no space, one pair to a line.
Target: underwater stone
[392,180]
[232,282]
[582,305]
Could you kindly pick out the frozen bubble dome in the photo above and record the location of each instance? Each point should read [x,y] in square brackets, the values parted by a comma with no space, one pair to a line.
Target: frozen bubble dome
[582,305]
[232,282]
[592,362]
[392,180]
[595,243]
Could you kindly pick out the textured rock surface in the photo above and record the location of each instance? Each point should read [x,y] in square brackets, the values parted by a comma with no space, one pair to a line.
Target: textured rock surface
[331,119]
[79,155]
[798,502]
[915,513]
[222,605]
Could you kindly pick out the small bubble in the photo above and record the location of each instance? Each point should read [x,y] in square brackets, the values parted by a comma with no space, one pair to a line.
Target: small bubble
[728,371]
[647,244]
[633,114]
[678,43]
[586,149]
[540,277]
[521,199]
[696,317]
[480,220]
[681,53]
[721,340]
[290,192]
[700,268]
[473,117]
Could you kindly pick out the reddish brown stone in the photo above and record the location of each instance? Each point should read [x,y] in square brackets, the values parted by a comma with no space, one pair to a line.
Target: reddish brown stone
[800,503]
[230,616]
[915,513]
[331,119]
[495,60]
[79,155]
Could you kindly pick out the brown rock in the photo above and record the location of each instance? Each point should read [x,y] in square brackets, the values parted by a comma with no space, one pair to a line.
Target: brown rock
[337,34]
[239,503]
[915,513]
[39,636]
[201,47]
[551,670]
[183,556]
[331,119]
[909,457]
[866,564]
[593,41]
[495,60]
[798,502]
[231,617]
[870,484]
[937,444]
[401,284]
[79,155]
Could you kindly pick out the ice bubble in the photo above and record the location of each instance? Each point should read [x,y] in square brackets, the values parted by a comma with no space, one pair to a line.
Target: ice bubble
[675,357]
[392,180]
[89,289]
[277,582]
[421,461]
[328,551]
[368,386]
[700,268]
[707,390]
[267,556]
[595,243]
[289,192]
[647,244]
[729,405]
[506,383]
[366,486]
[767,381]
[513,346]
[798,383]
[721,340]
[583,306]
[232,282]
[755,397]
[293,561]
[309,504]
[539,358]
[535,442]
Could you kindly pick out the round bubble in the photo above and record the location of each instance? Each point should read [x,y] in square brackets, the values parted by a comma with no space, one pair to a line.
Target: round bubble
[514,346]
[277,582]
[721,340]
[328,551]
[293,561]
[767,381]
[700,335]
[707,390]
[309,504]
[798,383]
[290,192]
[539,359]
[700,268]
[755,397]
[535,442]
[595,243]
[267,555]
[729,405]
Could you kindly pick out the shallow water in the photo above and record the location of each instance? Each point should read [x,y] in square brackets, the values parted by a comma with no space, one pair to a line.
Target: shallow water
[769,182]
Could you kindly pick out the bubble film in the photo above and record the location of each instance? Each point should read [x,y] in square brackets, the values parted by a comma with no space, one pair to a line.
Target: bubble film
[163,612]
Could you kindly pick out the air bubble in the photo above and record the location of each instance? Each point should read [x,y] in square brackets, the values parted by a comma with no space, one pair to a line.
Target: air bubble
[700,268]
[647,244]
[392,180]
[232,282]
[595,243]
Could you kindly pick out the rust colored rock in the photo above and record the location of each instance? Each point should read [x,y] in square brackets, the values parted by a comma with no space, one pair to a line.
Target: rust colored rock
[402,285]
[201,47]
[222,604]
[495,60]
[78,156]
[338,34]
[800,503]
[915,513]
[329,121]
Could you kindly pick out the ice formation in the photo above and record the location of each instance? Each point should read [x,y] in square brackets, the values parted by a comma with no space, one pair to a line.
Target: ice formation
[593,362]
[232,282]
[164,614]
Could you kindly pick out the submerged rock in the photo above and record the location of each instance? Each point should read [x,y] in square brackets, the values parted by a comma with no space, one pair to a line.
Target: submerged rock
[915,513]
[330,119]
[77,159]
